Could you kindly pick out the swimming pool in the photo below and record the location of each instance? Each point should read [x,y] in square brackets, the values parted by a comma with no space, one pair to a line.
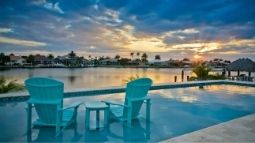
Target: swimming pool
[174,112]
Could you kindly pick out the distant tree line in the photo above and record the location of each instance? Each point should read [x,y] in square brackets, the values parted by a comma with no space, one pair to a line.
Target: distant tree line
[71,59]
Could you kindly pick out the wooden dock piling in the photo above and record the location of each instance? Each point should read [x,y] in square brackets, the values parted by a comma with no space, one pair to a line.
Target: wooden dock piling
[175,78]
[182,75]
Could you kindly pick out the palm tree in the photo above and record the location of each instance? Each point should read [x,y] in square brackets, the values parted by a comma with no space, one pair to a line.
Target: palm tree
[117,57]
[186,59]
[50,56]
[31,59]
[101,58]
[80,60]
[132,54]
[72,54]
[4,59]
[157,57]
[10,86]
[144,57]
[202,72]
[138,55]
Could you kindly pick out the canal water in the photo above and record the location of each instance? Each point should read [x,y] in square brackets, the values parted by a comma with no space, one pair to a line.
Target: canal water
[98,77]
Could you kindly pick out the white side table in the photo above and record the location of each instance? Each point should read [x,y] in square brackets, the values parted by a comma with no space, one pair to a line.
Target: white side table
[96,106]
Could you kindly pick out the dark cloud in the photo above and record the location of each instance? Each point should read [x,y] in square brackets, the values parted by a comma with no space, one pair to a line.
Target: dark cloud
[69,25]
[158,16]
[240,49]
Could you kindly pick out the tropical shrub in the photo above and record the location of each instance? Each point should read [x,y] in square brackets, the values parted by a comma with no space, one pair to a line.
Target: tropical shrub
[9,86]
[202,73]
[131,78]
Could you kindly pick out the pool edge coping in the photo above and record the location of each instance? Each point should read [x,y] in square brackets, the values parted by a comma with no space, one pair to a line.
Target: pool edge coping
[120,89]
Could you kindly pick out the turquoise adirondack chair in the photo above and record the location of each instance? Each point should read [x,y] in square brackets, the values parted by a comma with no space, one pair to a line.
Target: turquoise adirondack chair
[46,96]
[136,95]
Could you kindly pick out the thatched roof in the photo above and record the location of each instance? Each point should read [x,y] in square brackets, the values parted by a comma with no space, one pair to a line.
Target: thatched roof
[242,65]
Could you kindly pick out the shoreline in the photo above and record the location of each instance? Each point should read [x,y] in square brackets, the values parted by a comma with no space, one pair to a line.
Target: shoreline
[27,67]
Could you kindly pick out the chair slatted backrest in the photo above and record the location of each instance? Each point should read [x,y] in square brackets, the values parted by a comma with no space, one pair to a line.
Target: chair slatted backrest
[137,89]
[42,91]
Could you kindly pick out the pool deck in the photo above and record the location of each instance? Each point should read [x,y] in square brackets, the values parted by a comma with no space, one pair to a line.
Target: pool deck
[237,130]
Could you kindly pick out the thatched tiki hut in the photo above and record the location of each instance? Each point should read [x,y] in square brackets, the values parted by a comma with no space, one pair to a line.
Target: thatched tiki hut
[241,65]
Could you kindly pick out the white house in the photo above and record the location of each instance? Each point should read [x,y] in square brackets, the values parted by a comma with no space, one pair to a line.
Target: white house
[108,62]
[158,63]
[16,60]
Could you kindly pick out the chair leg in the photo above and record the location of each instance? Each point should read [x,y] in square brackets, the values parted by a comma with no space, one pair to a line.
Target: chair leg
[148,130]
[58,122]
[29,117]
[57,130]
[97,118]
[148,110]
[106,117]
[129,117]
[75,116]
[87,118]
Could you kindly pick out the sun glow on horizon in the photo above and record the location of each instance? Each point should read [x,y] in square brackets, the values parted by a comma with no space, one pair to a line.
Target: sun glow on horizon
[198,57]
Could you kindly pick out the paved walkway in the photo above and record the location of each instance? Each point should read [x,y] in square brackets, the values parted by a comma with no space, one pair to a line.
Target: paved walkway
[237,130]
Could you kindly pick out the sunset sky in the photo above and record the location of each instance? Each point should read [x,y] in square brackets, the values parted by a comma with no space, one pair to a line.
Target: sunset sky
[197,29]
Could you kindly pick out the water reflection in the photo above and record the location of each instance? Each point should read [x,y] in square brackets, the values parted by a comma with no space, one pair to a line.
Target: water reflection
[95,77]
[71,76]
[48,134]
[230,89]
[137,133]
[185,95]
[43,134]
[30,73]
[95,136]
[4,68]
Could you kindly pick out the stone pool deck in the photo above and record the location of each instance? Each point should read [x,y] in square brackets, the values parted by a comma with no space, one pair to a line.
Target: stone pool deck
[237,130]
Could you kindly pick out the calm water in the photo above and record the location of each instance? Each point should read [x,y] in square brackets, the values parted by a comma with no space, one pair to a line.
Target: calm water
[99,77]
[95,77]
[174,112]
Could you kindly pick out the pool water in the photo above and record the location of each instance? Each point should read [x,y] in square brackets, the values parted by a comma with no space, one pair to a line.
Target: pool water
[174,112]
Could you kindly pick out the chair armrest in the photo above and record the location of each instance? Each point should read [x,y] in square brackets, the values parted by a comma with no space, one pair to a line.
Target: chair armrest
[32,106]
[114,103]
[145,99]
[32,101]
[73,105]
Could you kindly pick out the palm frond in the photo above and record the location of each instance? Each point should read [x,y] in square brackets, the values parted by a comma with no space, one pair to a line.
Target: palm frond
[9,86]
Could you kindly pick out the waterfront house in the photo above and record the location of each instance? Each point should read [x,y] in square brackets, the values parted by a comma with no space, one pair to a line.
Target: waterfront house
[158,63]
[173,63]
[72,61]
[218,63]
[86,63]
[109,62]
[66,59]
[135,62]
[186,62]
[16,60]
[43,60]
